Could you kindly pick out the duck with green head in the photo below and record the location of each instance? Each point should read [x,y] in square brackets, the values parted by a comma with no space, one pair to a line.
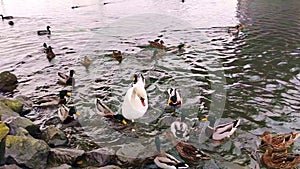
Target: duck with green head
[68,80]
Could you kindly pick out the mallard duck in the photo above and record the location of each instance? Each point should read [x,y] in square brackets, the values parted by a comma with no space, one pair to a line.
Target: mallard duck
[135,102]
[86,62]
[236,29]
[50,54]
[138,79]
[44,32]
[157,43]
[165,160]
[11,23]
[66,115]
[6,17]
[117,54]
[65,79]
[108,113]
[62,99]
[186,150]
[180,130]
[174,97]
[45,47]
[223,131]
[279,160]
[279,142]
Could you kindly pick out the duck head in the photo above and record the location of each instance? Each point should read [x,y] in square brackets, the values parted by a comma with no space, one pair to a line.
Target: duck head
[48,28]
[64,93]
[174,97]
[138,80]
[73,112]
[72,72]
[120,118]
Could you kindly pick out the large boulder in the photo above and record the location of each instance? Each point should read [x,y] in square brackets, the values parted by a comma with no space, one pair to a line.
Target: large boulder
[11,166]
[16,124]
[59,156]
[98,157]
[4,130]
[26,151]
[13,104]
[54,136]
[8,81]
[6,112]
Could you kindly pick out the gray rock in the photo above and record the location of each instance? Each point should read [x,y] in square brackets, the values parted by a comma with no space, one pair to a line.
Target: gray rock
[6,112]
[63,166]
[8,81]
[13,104]
[54,136]
[110,167]
[105,167]
[99,157]
[26,151]
[129,153]
[11,166]
[60,156]
[4,130]
[27,104]
[17,124]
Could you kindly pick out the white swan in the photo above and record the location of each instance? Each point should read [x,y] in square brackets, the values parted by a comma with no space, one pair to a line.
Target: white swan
[135,102]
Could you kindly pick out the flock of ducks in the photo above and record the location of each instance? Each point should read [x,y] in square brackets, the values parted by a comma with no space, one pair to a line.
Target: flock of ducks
[135,105]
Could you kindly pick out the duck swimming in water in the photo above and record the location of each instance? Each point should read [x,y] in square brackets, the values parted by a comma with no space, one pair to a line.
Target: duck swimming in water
[186,150]
[117,54]
[280,141]
[67,80]
[6,17]
[49,53]
[86,62]
[165,160]
[236,29]
[135,102]
[67,115]
[63,98]
[279,160]
[174,97]
[157,43]
[223,131]
[108,113]
[44,32]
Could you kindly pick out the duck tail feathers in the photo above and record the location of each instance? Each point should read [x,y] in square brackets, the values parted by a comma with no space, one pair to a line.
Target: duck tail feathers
[236,123]
[182,166]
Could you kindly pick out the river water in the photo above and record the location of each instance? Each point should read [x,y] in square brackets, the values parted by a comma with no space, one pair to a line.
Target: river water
[254,76]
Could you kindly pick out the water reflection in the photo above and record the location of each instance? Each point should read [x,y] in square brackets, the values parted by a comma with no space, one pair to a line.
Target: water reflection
[254,76]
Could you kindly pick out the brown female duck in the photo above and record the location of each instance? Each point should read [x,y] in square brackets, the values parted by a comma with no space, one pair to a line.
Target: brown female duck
[279,160]
[157,43]
[279,142]
[187,151]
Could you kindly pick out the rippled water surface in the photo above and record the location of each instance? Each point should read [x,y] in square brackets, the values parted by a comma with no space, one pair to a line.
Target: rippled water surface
[254,76]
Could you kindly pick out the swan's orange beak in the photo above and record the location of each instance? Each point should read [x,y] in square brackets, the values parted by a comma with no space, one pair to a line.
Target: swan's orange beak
[143,102]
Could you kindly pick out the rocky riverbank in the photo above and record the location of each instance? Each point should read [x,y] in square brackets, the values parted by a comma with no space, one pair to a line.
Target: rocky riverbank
[28,143]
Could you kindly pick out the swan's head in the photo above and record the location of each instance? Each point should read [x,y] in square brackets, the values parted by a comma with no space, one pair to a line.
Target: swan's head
[174,97]
[140,92]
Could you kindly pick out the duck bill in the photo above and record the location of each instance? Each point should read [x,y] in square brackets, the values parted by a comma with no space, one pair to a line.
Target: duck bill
[77,113]
[124,122]
[169,101]
[69,94]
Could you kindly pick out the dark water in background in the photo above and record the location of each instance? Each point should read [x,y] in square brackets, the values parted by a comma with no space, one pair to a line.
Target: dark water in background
[256,76]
